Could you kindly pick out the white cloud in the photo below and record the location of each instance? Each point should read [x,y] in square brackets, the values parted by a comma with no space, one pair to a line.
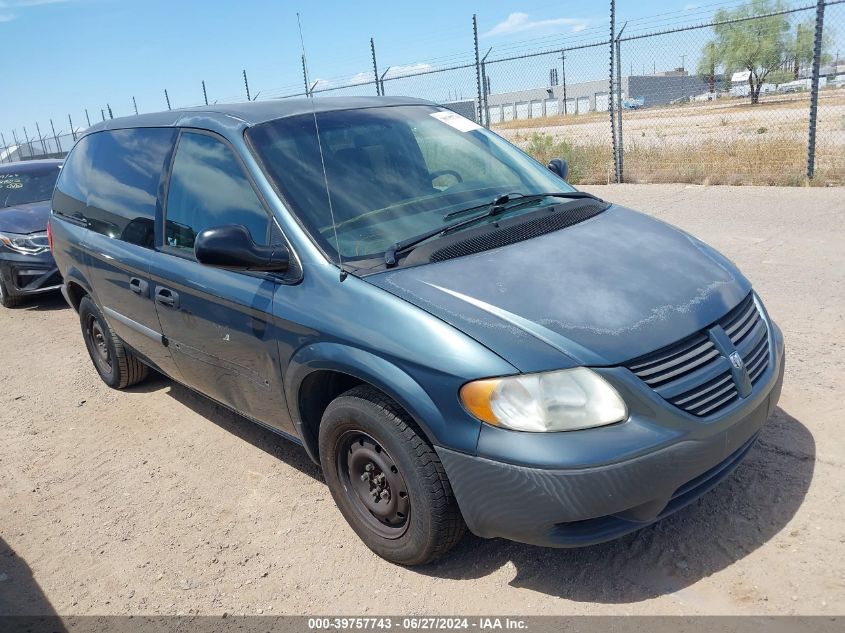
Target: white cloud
[361,78]
[690,7]
[7,17]
[522,22]
[320,84]
[409,69]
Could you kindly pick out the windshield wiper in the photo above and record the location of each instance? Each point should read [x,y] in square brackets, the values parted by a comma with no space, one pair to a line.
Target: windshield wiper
[496,207]
[527,198]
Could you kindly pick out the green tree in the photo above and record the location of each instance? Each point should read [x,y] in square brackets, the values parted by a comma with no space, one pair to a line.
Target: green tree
[760,46]
[707,64]
[803,44]
[802,47]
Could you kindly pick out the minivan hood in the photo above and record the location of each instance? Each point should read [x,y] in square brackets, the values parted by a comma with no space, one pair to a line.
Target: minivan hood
[25,218]
[597,293]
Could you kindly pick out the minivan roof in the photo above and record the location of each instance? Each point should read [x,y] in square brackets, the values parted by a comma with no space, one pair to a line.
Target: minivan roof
[253,112]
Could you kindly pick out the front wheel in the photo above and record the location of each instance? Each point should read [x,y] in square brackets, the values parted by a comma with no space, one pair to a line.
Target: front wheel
[386,479]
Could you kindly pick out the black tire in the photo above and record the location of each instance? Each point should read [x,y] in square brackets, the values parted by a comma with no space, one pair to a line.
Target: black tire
[420,519]
[7,300]
[117,366]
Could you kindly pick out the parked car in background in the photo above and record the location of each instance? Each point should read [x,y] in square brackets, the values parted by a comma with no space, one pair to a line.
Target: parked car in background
[452,331]
[26,265]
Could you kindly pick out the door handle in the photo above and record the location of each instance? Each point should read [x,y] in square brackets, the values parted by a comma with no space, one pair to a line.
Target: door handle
[167,297]
[138,286]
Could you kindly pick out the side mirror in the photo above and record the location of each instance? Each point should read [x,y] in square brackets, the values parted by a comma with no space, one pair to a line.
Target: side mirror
[559,166]
[231,247]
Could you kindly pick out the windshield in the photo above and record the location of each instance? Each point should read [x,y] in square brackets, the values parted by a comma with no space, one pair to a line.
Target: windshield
[27,185]
[393,172]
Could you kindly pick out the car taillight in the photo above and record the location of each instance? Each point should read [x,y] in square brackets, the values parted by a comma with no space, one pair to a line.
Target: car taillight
[50,235]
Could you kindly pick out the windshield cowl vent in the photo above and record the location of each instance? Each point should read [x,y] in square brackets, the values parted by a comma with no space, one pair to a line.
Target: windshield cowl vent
[568,215]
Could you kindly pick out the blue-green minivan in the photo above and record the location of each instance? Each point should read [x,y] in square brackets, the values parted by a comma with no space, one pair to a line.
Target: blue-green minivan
[458,336]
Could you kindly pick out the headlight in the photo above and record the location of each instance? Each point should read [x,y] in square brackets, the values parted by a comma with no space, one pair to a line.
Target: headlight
[563,400]
[31,244]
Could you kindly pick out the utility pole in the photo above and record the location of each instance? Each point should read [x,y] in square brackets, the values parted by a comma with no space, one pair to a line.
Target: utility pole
[135,105]
[87,118]
[103,114]
[111,116]
[375,66]
[72,131]
[477,68]
[204,93]
[167,98]
[5,147]
[246,85]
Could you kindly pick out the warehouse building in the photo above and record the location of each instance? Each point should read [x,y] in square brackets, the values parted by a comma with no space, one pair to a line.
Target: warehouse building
[592,96]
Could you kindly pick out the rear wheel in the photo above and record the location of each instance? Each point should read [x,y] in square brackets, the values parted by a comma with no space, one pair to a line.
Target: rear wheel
[7,300]
[117,366]
[386,479]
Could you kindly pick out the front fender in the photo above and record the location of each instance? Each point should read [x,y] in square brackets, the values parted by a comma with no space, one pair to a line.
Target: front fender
[441,418]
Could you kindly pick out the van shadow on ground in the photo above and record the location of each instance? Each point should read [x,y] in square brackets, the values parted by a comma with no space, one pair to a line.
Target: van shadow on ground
[242,428]
[20,595]
[48,302]
[741,514]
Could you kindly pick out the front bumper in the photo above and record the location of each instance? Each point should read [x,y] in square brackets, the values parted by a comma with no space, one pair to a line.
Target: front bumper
[29,274]
[597,485]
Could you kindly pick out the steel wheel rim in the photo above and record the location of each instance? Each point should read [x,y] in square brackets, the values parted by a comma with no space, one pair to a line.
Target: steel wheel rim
[99,344]
[374,484]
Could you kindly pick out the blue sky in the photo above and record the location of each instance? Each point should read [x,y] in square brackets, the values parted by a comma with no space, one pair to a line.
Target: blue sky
[62,56]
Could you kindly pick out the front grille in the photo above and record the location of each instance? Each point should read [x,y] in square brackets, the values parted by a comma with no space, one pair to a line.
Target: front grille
[694,375]
[747,331]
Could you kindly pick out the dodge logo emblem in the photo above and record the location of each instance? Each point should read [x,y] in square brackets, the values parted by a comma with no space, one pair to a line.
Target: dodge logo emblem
[736,360]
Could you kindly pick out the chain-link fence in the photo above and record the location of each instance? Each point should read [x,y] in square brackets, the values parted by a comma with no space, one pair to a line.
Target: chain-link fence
[36,146]
[555,103]
[706,118]
[829,150]
[755,94]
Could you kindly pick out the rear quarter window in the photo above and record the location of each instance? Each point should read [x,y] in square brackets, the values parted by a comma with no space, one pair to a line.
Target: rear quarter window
[71,194]
[111,182]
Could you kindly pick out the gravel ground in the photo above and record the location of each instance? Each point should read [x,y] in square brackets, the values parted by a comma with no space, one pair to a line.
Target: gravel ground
[156,500]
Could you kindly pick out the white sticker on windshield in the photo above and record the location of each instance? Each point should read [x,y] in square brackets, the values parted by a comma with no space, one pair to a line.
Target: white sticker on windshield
[456,121]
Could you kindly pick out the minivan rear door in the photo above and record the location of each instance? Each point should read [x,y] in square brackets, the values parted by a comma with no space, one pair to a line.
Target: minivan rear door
[218,323]
[123,184]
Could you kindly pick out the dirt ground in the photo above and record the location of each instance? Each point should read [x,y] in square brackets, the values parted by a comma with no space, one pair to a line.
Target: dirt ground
[688,125]
[157,501]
